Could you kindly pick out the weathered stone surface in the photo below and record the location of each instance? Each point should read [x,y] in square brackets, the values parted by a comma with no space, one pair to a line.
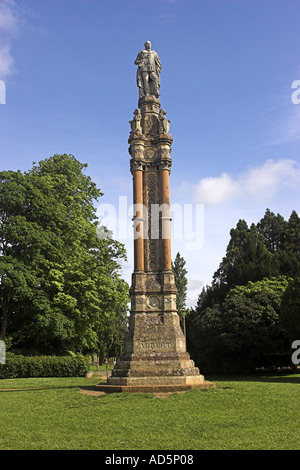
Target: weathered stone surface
[154,388]
[157,380]
[154,356]
[149,68]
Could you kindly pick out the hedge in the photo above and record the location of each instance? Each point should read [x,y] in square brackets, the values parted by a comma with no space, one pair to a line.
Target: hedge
[18,366]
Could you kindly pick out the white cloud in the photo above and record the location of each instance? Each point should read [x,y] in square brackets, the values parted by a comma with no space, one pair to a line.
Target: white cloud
[263,182]
[260,183]
[194,288]
[216,190]
[8,17]
[7,64]
[194,284]
[9,27]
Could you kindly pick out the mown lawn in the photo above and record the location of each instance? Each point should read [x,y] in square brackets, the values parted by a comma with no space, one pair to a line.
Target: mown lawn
[248,413]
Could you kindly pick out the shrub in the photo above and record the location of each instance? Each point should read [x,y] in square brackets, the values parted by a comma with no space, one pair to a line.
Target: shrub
[18,366]
[289,315]
[243,333]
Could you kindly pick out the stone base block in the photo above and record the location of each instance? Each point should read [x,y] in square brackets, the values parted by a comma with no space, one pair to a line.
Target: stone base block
[151,388]
[162,380]
[155,357]
[155,384]
[150,368]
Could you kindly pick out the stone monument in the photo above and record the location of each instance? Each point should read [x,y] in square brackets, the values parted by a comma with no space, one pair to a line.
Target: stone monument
[154,357]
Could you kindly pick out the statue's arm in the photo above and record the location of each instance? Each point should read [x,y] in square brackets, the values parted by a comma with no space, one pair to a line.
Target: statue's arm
[158,63]
[138,59]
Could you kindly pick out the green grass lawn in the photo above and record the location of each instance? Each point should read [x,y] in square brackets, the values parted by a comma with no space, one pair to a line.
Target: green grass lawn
[248,413]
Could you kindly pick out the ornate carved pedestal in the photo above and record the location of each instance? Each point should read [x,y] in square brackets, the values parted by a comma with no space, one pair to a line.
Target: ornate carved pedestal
[155,356]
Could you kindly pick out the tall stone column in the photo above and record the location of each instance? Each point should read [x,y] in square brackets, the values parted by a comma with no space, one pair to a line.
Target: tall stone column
[166,264]
[138,220]
[155,356]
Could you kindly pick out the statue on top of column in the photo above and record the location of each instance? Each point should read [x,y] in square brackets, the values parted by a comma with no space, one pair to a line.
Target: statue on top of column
[149,68]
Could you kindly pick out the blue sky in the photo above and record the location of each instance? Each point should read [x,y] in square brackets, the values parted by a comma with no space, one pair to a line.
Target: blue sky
[226,84]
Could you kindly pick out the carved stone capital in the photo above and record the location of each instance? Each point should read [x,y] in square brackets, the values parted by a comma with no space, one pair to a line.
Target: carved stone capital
[165,164]
[136,165]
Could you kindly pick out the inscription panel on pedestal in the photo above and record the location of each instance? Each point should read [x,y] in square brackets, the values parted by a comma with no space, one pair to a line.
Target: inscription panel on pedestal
[155,346]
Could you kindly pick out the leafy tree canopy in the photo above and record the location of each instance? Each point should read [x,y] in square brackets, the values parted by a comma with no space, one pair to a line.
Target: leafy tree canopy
[242,305]
[60,284]
[290,310]
[237,335]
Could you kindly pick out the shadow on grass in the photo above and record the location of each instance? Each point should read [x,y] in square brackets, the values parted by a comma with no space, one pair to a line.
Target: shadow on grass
[272,377]
[91,388]
[52,387]
[35,389]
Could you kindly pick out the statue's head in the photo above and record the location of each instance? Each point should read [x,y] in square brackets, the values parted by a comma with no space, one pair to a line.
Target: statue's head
[147,45]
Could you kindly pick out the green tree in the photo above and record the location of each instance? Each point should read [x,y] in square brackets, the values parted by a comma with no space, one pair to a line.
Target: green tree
[243,331]
[272,227]
[254,255]
[291,235]
[181,282]
[204,330]
[60,283]
[290,310]
[246,259]
[250,322]
[289,255]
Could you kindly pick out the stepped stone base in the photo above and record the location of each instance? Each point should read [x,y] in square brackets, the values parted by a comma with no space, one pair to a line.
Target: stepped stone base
[156,372]
[155,357]
[154,388]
